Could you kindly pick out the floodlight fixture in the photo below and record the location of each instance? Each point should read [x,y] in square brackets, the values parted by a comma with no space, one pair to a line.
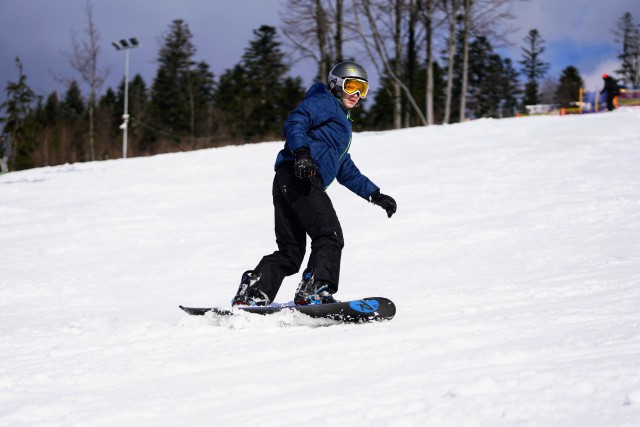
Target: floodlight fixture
[125,45]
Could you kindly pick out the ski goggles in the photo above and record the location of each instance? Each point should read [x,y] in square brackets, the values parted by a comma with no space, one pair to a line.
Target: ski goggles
[352,85]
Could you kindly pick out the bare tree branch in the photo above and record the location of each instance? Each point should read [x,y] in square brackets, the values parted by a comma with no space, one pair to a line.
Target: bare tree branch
[315,30]
[84,59]
[376,47]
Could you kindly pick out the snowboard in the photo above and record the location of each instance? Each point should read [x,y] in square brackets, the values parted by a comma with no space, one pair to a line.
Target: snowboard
[357,311]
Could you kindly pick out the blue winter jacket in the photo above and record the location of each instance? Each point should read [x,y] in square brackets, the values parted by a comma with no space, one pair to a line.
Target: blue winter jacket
[320,124]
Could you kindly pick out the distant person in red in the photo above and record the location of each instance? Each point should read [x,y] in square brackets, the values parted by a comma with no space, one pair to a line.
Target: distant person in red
[611,90]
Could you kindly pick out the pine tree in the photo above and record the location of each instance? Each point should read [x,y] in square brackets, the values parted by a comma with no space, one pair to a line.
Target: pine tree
[139,132]
[380,115]
[202,86]
[72,112]
[263,63]
[73,105]
[485,75]
[493,82]
[533,67]
[51,109]
[50,135]
[233,87]
[510,88]
[628,35]
[110,109]
[568,90]
[255,96]
[17,107]
[168,94]
[181,89]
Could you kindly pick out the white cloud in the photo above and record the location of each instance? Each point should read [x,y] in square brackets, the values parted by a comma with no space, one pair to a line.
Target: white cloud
[578,21]
[593,80]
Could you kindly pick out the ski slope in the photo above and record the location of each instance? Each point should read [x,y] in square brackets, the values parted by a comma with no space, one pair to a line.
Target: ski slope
[513,260]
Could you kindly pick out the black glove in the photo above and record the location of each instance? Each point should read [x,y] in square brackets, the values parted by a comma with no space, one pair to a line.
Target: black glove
[303,166]
[385,202]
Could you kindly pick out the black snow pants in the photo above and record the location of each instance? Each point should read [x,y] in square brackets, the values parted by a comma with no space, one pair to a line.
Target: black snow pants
[301,207]
[610,102]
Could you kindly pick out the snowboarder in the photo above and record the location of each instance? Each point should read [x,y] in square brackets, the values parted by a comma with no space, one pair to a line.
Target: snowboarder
[318,136]
[611,89]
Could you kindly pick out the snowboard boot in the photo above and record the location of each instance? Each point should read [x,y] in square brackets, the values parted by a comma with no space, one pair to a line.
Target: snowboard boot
[248,293]
[311,291]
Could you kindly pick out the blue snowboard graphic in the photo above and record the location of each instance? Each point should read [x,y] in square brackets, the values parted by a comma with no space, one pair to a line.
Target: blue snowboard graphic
[358,311]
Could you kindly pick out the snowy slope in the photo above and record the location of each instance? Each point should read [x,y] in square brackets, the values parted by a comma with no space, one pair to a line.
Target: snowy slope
[514,261]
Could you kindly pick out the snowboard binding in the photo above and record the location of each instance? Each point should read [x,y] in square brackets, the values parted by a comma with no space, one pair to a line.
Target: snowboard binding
[311,291]
[248,293]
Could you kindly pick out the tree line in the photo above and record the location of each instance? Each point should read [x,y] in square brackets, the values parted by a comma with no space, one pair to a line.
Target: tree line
[437,61]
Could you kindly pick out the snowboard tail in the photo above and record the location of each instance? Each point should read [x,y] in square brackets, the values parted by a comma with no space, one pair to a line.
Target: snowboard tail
[357,311]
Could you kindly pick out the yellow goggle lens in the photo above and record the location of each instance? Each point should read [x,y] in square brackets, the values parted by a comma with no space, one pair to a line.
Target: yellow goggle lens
[352,86]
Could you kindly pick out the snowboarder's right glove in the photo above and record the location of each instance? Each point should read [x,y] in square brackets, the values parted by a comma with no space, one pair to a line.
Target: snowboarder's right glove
[385,202]
[303,167]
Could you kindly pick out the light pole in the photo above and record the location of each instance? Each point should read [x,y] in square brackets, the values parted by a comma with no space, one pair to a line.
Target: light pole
[125,45]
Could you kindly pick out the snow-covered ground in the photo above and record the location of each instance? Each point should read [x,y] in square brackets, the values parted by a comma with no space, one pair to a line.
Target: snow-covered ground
[513,259]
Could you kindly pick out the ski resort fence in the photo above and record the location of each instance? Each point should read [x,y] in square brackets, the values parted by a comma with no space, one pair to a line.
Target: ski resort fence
[593,101]
[588,102]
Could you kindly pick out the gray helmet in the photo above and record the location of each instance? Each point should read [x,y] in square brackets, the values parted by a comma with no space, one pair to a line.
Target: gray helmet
[345,70]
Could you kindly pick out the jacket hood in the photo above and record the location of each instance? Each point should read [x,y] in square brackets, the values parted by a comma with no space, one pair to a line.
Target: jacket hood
[322,89]
[316,89]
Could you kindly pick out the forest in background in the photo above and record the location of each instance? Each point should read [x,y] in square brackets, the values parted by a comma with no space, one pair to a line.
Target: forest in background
[437,59]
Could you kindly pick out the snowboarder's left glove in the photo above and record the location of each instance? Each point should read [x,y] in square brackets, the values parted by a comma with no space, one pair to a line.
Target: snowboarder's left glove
[303,166]
[385,202]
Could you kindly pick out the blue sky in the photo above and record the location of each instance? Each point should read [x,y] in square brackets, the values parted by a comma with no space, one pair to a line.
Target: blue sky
[577,32]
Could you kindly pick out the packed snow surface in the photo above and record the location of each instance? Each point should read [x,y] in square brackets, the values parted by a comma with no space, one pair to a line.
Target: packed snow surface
[513,260]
